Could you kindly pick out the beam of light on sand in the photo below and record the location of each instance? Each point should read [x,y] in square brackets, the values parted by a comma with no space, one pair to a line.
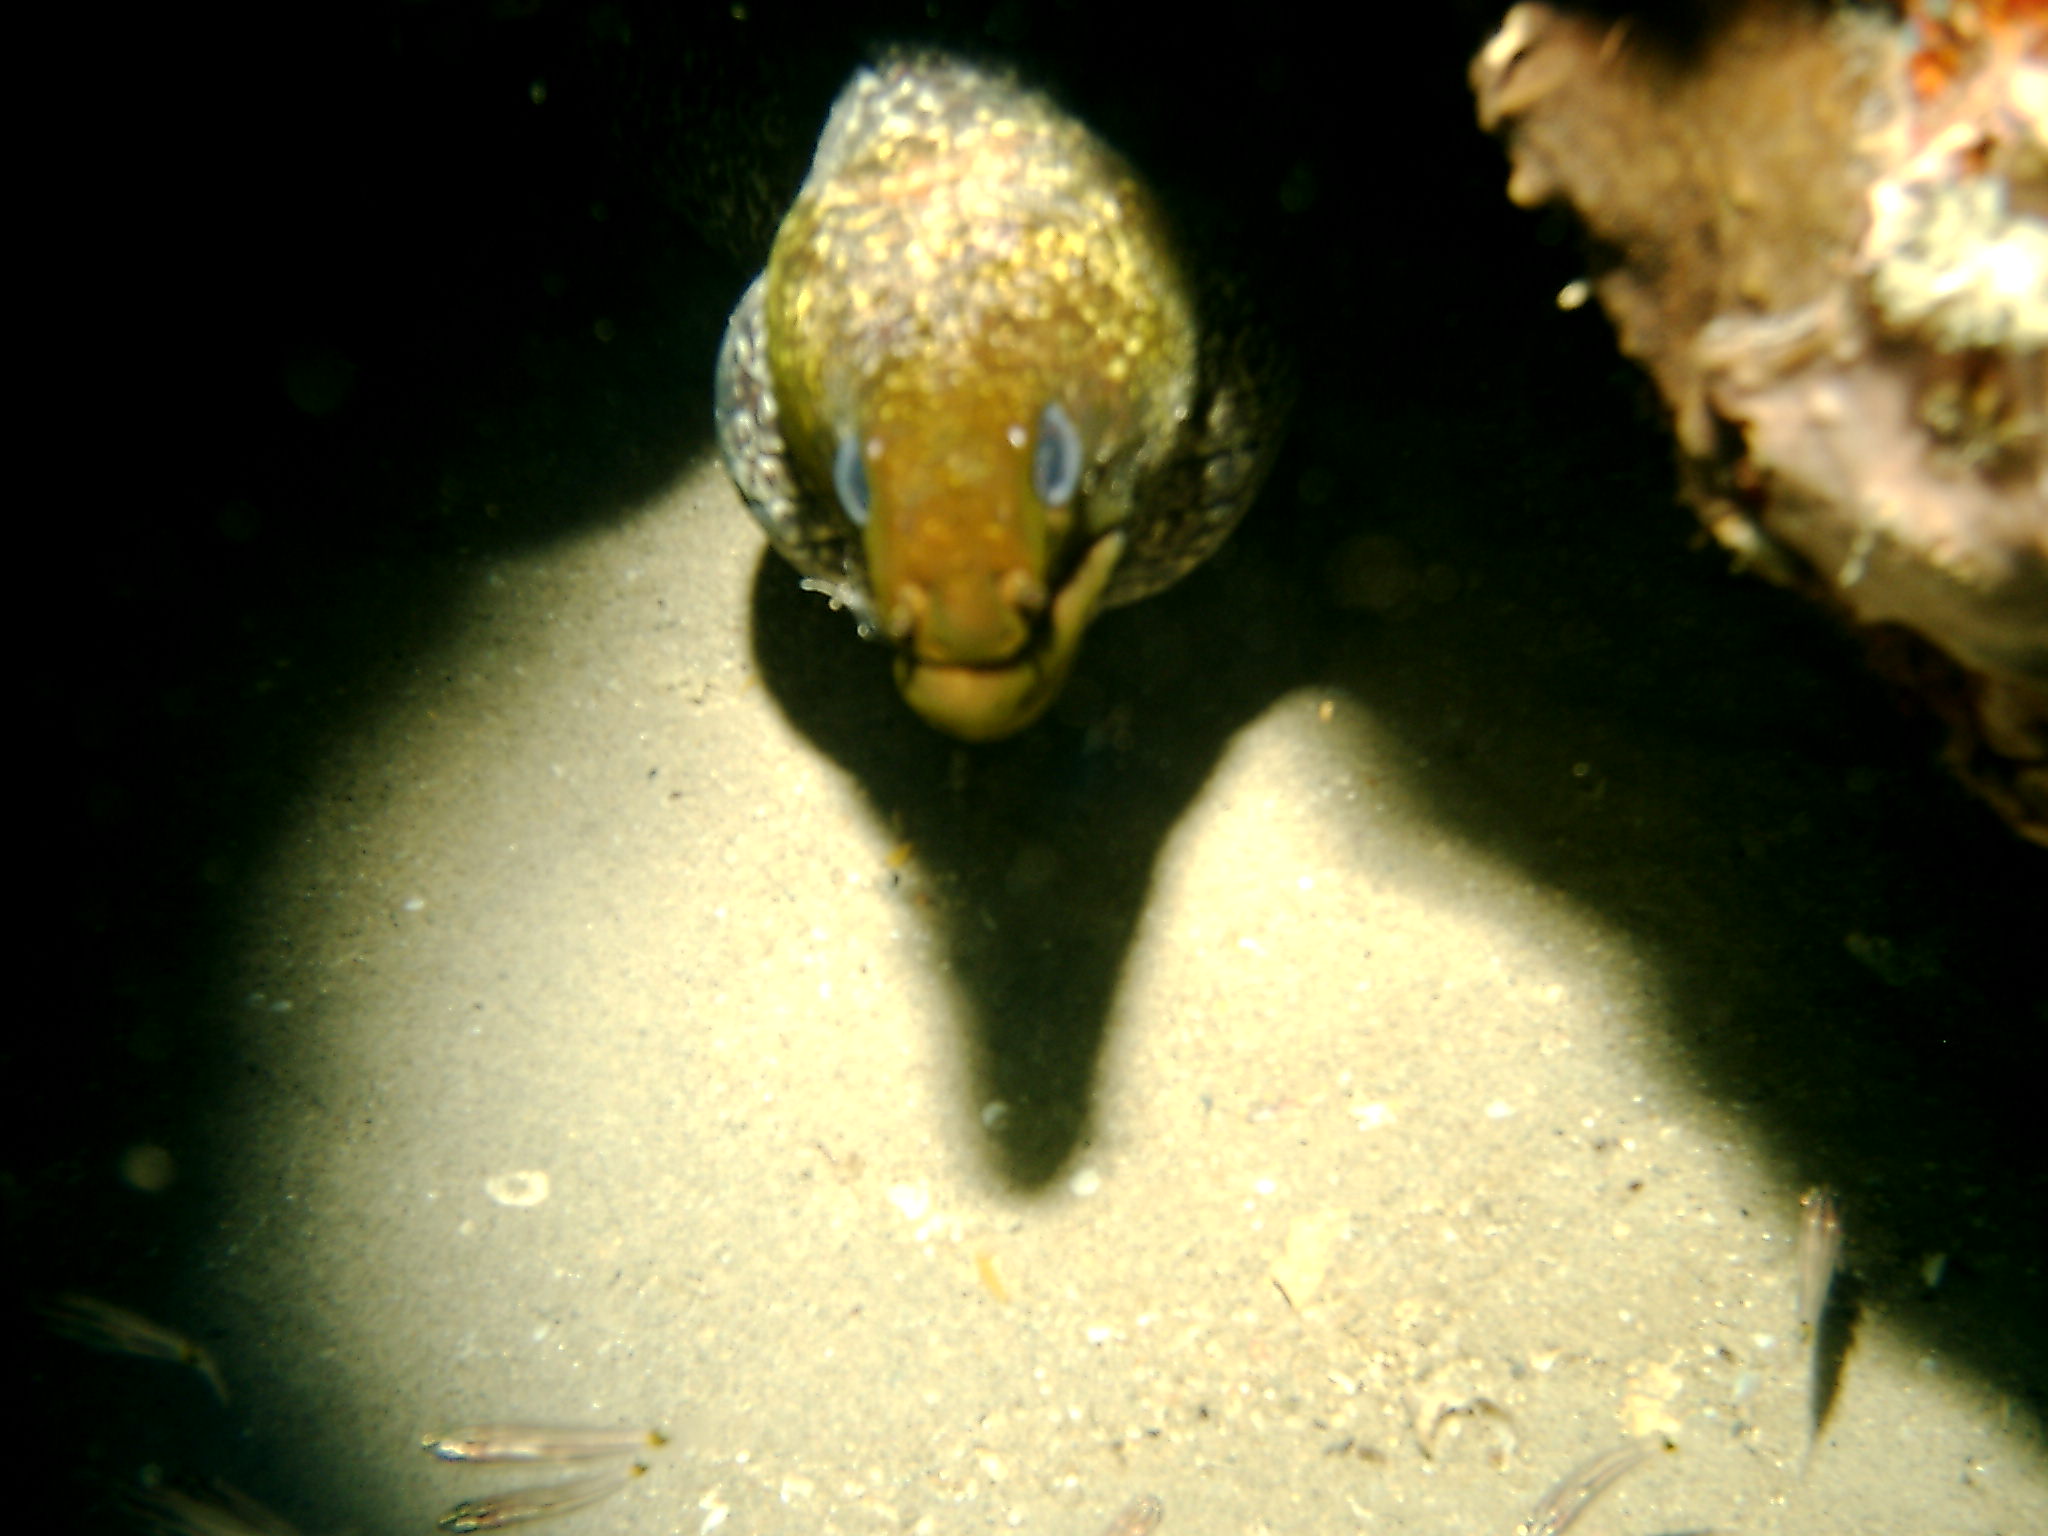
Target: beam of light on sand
[598,1069]
[565,934]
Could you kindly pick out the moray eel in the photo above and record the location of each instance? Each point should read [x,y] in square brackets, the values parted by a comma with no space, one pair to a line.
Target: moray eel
[974,397]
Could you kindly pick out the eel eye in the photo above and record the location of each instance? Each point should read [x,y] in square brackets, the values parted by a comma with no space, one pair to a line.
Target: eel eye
[850,479]
[1056,461]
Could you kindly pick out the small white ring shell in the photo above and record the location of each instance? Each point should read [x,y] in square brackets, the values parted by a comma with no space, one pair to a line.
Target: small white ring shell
[528,1186]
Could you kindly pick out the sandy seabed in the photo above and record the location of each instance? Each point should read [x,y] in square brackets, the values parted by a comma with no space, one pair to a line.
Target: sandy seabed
[607,1062]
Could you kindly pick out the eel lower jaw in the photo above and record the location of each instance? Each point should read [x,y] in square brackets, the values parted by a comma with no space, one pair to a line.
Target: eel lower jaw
[988,703]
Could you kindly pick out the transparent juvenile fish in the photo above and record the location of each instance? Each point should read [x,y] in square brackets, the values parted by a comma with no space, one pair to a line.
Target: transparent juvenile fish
[1820,1250]
[1558,1510]
[538,1442]
[1140,1517]
[1827,1306]
[540,1502]
[102,1325]
[225,1512]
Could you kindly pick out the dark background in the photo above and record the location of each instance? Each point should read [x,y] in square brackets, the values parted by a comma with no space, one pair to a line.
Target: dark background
[326,303]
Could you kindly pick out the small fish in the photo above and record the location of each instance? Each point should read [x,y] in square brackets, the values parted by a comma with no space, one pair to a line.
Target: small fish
[1140,1517]
[1820,1250]
[1558,1510]
[535,1442]
[102,1325]
[537,1503]
[1827,1305]
[227,1512]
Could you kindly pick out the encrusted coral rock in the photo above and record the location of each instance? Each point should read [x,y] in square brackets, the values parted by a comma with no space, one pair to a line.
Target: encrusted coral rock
[1825,235]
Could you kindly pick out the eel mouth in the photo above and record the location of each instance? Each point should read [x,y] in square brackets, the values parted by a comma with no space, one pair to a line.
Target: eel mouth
[987,701]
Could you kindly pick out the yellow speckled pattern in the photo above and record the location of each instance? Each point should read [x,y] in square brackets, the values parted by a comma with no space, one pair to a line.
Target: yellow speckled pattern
[967,271]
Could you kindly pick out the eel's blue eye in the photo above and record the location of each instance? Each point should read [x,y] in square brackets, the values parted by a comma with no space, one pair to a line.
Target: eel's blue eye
[1056,460]
[850,479]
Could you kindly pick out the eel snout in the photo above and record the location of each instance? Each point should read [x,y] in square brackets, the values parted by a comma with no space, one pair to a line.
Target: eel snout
[977,696]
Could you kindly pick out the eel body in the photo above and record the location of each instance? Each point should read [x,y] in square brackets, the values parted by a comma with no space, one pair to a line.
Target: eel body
[974,397]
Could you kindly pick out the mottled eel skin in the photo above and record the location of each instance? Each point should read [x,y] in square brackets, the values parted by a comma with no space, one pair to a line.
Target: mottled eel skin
[975,397]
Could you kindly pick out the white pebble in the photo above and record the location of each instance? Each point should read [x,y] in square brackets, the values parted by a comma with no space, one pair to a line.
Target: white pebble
[528,1186]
